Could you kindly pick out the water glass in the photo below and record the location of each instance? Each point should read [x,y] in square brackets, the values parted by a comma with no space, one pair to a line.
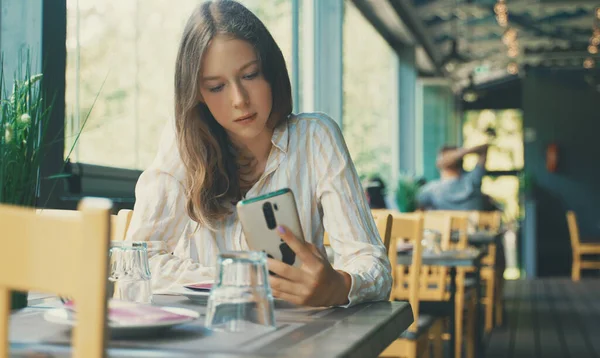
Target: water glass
[432,241]
[241,299]
[129,275]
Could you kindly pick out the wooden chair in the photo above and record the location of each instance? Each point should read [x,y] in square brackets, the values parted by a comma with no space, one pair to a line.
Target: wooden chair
[579,249]
[407,285]
[383,223]
[439,284]
[490,273]
[119,223]
[61,254]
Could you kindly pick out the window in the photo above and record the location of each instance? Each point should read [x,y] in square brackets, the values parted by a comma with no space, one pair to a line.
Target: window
[505,156]
[369,87]
[131,46]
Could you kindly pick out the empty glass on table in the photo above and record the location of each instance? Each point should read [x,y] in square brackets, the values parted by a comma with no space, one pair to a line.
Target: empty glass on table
[129,273]
[240,298]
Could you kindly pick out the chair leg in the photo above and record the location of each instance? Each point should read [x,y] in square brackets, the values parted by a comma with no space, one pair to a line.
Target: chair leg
[576,269]
[426,353]
[499,301]
[471,323]
[489,301]
[413,350]
[396,349]
[438,343]
[4,312]
[459,305]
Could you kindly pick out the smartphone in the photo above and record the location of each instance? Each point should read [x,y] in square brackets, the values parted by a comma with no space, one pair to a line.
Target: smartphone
[260,217]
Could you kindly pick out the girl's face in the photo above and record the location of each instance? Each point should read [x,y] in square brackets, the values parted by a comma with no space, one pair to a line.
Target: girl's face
[234,89]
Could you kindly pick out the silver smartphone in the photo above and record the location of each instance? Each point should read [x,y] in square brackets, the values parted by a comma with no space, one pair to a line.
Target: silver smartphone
[260,217]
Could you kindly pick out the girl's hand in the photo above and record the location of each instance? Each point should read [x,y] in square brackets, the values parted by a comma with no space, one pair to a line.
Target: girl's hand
[315,283]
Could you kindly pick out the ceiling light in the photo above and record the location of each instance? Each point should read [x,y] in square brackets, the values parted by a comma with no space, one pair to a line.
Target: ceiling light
[453,58]
[469,94]
[512,68]
[593,49]
[588,63]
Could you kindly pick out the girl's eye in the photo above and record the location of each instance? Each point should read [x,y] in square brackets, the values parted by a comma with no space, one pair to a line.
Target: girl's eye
[251,75]
[216,88]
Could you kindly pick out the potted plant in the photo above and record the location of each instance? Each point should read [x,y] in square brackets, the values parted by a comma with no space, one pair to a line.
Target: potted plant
[406,193]
[24,118]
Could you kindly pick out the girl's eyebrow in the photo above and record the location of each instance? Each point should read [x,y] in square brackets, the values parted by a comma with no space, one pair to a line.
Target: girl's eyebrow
[210,78]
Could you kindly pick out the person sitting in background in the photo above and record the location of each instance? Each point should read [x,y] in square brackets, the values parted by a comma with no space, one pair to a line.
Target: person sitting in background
[375,192]
[456,189]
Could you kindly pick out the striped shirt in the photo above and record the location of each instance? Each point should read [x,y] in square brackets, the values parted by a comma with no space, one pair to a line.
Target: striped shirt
[310,157]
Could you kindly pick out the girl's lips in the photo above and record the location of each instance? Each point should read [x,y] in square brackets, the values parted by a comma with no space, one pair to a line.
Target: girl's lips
[246,119]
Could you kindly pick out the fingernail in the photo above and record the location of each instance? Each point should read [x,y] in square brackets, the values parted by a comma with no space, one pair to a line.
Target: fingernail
[281,229]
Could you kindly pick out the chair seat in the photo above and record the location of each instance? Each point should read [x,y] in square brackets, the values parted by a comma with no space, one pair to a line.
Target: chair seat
[423,325]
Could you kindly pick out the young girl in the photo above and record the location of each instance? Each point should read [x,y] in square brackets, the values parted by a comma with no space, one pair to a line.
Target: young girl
[234,137]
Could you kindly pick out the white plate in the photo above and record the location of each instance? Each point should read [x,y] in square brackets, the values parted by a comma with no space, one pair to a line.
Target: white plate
[201,297]
[65,317]
[196,296]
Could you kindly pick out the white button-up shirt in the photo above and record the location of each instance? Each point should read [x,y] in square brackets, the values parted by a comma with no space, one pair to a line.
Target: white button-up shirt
[310,157]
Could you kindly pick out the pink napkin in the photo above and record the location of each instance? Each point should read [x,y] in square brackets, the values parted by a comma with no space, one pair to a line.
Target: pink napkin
[124,312]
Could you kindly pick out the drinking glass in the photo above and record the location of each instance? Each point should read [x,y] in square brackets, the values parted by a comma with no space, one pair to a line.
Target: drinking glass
[241,297]
[129,275]
[432,241]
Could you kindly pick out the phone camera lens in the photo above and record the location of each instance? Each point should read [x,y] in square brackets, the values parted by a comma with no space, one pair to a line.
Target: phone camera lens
[269,215]
[275,207]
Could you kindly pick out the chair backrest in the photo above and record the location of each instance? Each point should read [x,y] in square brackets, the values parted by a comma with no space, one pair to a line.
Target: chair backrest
[407,278]
[62,254]
[573,231]
[459,224]
[440,222]
[434,278]
[489,220]
[383,222]
[120,224]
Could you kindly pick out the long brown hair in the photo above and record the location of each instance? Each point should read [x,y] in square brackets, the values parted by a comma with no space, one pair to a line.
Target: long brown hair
[212,172]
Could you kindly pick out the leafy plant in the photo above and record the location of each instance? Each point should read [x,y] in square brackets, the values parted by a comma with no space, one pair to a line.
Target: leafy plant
[24,118]
[406,193]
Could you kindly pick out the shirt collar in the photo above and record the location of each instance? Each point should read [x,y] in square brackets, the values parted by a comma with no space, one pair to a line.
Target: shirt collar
[280,136]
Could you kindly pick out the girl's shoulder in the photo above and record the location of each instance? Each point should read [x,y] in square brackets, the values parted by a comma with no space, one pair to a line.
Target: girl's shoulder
[313,123]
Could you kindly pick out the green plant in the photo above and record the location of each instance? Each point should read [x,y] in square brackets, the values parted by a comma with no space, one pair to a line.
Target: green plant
[406,193]
[24,118]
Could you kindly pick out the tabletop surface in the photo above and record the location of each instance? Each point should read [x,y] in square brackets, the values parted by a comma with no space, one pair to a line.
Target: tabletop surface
[451,258]
[481,237]
[364,330]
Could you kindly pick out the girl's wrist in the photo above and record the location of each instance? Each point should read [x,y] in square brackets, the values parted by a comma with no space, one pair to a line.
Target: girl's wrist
[344,290]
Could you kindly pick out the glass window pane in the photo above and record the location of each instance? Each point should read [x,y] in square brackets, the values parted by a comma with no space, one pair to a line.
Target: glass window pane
[506,151]
[131,46]
[369,87]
